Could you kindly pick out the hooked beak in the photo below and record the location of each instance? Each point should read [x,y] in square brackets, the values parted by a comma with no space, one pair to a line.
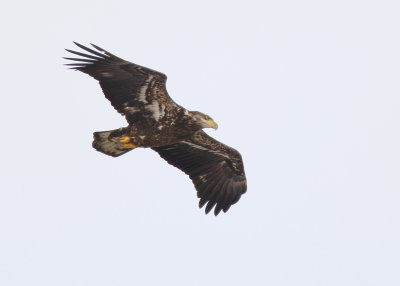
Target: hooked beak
[211,123]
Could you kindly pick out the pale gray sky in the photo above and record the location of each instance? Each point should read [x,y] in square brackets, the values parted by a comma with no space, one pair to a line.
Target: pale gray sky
[307,91]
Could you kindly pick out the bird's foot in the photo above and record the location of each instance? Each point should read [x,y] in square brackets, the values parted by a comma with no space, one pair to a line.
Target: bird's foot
[126,142]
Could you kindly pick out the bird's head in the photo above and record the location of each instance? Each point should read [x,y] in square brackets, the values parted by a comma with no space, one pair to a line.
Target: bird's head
[203,120]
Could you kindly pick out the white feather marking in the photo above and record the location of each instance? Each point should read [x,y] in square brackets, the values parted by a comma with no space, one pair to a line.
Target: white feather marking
[203,178]
[106,74]
[196,146]
[205,149]
[142,137]
[131,109]
[143,90]
[160,127]
[157,110]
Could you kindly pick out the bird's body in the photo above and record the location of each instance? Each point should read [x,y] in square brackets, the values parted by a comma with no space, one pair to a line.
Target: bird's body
[157,122]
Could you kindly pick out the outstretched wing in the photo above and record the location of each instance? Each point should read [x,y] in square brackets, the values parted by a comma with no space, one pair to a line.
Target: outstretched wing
[215,169]
[133,90]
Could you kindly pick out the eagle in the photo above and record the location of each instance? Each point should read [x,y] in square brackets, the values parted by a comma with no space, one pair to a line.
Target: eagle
[155,121]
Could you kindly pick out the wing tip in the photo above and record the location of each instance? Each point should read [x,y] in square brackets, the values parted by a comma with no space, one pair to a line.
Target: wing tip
[79,45]
[97,47]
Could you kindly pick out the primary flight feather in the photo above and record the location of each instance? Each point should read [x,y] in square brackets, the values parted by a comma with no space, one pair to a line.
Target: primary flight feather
[157,122]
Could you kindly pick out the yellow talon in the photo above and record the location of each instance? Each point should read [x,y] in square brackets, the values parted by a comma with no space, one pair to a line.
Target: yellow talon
[124,139]
[128,146]
[126,142]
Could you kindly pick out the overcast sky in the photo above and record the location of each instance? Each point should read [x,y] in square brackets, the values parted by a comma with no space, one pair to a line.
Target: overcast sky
[307,91]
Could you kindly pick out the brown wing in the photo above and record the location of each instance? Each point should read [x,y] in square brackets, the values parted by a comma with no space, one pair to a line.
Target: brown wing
[133,90]
[215,169]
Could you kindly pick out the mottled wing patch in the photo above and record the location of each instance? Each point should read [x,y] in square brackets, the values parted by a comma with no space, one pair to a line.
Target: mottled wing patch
[135,91]
[215,169]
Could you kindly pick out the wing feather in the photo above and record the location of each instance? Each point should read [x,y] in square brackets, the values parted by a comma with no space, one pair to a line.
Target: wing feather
[131,89]
[215,169]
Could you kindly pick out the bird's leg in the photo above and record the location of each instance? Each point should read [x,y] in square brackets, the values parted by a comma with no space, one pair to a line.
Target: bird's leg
[126,142]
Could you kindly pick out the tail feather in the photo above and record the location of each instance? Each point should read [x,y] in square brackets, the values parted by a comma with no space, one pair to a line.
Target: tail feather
[107,144]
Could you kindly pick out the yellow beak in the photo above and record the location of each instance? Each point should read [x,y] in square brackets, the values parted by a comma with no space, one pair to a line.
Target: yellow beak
[211,123]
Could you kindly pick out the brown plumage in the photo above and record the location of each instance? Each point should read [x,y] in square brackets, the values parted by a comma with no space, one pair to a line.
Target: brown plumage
[156,121]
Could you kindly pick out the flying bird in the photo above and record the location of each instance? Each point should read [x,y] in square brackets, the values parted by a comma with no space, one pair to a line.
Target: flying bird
[155,121]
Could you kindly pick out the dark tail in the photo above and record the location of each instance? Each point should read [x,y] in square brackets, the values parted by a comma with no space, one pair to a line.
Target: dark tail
[107,144]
